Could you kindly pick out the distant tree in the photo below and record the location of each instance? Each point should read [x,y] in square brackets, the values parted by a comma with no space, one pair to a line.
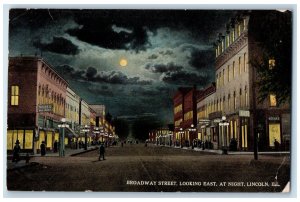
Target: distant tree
[273,32]
[142,127]
[121,128]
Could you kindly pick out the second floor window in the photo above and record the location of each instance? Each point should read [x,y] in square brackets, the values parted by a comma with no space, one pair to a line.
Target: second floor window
[14,95]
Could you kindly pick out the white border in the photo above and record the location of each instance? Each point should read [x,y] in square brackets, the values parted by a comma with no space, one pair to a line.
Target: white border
[158,4]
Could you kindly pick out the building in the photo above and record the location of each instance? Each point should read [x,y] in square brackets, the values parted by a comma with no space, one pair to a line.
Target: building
[207,128]
[185,115]
[241,117]
[35,106]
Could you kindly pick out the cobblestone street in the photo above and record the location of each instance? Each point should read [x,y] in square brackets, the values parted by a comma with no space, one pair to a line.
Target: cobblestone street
[152,169]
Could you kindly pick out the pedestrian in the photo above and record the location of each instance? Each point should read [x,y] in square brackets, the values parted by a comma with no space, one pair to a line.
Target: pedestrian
[277,145]
[16,152]
[101,151]
[122,143]
[43,149]
[55,146]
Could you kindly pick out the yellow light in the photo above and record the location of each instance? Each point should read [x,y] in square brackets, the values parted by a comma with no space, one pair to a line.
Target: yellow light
[123,62]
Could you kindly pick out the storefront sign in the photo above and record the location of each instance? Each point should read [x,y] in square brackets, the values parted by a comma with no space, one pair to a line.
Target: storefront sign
[274,118]
[244,113]
[45,108]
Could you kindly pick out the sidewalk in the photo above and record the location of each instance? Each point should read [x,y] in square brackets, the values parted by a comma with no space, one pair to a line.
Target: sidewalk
[68,152]
[198,149]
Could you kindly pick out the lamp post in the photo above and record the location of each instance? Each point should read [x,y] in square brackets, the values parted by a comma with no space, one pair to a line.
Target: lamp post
[192,129]
[96,131]
[85,130]
[62,137]
[223,124]
[181,133]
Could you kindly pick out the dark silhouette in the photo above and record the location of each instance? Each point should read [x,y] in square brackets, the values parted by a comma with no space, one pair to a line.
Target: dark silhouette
[102,151]
[16,151]
[43,149]
[55,146]
[277,145]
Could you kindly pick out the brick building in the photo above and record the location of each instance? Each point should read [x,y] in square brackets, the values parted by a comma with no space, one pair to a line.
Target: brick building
[236,97]
[36,103]
[185,115]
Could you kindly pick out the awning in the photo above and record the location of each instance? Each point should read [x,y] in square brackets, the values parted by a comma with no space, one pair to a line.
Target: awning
[72,132]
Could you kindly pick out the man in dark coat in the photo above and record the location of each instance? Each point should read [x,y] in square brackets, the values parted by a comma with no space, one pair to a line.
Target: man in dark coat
[43,149]
[55,146]
[16,151]
[102,151]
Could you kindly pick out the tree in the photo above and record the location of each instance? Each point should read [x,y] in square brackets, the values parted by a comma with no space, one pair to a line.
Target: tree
[273,32]
[121,128]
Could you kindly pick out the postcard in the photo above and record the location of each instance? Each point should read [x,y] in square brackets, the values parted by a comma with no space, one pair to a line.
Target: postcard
[149,100]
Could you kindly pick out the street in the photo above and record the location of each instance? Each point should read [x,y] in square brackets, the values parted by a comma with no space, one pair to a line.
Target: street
[153,169]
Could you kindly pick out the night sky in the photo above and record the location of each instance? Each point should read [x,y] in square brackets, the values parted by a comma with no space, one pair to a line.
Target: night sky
[130,60]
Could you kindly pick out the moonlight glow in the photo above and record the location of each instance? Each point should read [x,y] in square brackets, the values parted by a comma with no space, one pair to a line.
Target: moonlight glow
[123,62]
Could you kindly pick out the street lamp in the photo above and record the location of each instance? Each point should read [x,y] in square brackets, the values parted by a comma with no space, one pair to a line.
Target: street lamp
[85,130]
[192,130]
[96,131]
[62,137]
[223,124]
[181,133]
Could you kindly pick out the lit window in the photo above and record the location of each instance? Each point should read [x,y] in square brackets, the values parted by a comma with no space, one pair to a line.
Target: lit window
[233,70]
[273,101]
[239,30]
[222,46]
[244,62]
[271,63]
[14,95]
[240,66]
[228,78]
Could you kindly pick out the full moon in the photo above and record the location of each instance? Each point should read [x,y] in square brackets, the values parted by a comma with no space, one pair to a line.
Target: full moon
[123,62]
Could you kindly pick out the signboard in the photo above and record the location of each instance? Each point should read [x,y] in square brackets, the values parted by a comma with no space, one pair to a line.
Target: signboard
[244,113]
[274,118]
[45,108]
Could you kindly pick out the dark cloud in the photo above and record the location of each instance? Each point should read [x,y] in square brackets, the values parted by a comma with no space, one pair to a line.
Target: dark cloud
[185,78]
[201,59]
[161,68]
[152,57]
[167,52]
[58,45]
[100,91]
[91,74]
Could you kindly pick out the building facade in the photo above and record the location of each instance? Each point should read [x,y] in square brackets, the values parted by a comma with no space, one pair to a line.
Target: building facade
[185,116]
[35,106]
[236,97]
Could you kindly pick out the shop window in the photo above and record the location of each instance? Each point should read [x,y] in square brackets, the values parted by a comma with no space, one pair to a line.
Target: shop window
[28,139]
[271,64]
[274,133]
[14,96]
[273,101]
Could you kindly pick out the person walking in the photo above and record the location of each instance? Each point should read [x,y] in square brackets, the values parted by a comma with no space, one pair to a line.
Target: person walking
[55,146]
[102,151]
[43,149]
[16,152]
